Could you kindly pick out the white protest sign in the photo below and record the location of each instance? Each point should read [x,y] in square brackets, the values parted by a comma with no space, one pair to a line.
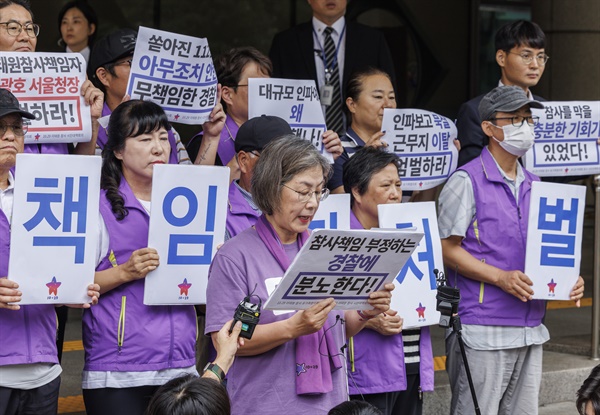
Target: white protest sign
[48,85]
[423,141]
[333,213]
[554,234]
[55,227]
[566,139]
[176,72]
[187,223]
[346,265]
[296,101]
[414,296]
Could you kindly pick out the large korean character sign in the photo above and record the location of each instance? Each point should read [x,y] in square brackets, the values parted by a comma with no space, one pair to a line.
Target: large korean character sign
[346,265]
[176,72]
[566,139]
[554,234]
[333,213]
[414,296]
[48,85]
[296,101]
[423,141]
[187,223]
[55,227]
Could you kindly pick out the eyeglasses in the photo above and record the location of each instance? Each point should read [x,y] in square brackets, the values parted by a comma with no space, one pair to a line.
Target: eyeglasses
[14,29]
[125,62]
[254,153]
[527,58]
[518,121]
[306,195]
[18,129]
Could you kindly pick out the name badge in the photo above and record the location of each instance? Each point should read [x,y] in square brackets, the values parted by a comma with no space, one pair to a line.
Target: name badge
[326,94]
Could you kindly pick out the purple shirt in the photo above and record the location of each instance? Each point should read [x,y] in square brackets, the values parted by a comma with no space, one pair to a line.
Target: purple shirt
[264,383]
[240,215]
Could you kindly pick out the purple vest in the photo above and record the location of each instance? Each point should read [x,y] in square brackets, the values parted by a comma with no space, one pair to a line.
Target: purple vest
[47,148]
[240,215]
[376,362]
[121,333]
[498,237]
[27,335]
[103,138]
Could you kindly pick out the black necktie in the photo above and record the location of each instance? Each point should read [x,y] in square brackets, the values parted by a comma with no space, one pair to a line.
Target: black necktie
[333,114]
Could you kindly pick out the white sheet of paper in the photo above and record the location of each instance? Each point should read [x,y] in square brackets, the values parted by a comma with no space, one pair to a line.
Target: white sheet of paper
[424,141]
[414,296]
[55,227]
[554,235]
[49,86]
[176,72]
[333,213]
[187,223]
[346,265]
[296,101]
[566,139]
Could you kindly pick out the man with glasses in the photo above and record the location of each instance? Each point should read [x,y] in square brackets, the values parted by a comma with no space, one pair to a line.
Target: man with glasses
[522,59]
[483,217]
[18,33]
[252,137]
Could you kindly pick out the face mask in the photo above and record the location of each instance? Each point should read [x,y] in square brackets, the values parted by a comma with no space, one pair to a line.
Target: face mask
[517,140]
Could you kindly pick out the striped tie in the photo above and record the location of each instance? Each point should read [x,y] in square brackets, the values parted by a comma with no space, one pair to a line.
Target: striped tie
[333,115]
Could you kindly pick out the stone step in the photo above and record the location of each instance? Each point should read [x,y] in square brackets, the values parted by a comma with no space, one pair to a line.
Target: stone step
[562,376]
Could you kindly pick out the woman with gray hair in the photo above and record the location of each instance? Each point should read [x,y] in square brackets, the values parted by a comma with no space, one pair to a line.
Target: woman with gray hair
[292,361]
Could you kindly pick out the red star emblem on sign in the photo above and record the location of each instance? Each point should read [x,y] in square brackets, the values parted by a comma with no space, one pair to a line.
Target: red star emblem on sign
[551,286]
[421,310]
[37,137]
[53,286]
[421,184]
[184,287]
[176,117]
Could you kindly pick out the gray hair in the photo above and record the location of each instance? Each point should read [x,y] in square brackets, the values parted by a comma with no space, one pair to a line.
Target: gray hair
[279,162]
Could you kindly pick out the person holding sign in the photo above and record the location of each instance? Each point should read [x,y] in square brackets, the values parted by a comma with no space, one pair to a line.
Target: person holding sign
[29,368]
[368,92]
[19,34]
[130,348]
[297,354]
[392,378]
[483,218]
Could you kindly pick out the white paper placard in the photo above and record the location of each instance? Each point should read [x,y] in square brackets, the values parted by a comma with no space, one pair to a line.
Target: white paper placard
[424,142]
[414,296]
[333,213]
[566,139]
[49,86]
[176,72]
[54,230]
[296,101]
[554,234]
[187,223]
[346,265]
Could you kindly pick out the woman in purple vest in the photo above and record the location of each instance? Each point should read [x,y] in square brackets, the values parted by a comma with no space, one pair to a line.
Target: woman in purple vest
[292,363]
[393,378]
[130,348]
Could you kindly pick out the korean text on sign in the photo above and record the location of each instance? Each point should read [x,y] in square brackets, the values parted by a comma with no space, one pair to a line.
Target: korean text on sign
[554,236]
[424,142]
[49,86]
[566,139]
[176,72]
[296,101]
[187,223]
[55,221]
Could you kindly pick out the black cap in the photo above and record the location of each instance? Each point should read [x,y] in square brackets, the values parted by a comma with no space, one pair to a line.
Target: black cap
[116,45]
[504,99]
[9,104]
[257,132]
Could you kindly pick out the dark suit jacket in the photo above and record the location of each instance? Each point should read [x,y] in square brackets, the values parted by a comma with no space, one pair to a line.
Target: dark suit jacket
[293,54]
[468,126]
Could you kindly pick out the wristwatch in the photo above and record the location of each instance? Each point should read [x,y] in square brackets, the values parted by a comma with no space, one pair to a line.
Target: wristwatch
[213,367]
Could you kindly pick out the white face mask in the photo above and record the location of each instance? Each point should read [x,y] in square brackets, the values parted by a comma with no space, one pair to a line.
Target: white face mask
[517,140]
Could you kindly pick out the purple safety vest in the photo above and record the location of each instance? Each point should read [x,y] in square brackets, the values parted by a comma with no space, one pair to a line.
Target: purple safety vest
[497,236]
[376,362]
[121,333]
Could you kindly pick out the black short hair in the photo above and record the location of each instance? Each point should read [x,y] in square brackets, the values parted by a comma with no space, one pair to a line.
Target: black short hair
[590,392]
[23,3]
[362,166]
[355,408]
[520,33]
[87,11]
